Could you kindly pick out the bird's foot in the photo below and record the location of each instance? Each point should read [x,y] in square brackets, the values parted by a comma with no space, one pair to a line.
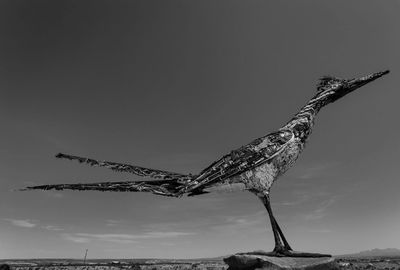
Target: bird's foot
[282,252]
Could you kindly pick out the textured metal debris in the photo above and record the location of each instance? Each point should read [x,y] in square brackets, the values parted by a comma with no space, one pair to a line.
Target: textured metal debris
[120,167]
[254,166]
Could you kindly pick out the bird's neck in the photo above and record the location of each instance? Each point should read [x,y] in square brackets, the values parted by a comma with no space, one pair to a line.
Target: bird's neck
[303,121]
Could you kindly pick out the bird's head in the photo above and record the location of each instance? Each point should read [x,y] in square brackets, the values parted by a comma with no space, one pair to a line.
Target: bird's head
[330,89]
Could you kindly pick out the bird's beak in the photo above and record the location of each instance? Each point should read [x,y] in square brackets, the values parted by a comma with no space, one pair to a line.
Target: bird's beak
[353,84]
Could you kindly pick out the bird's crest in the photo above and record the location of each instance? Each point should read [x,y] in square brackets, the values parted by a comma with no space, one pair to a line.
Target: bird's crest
[327,82]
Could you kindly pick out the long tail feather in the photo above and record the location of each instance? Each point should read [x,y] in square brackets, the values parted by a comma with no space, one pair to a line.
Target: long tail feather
[140,171]
[165,188]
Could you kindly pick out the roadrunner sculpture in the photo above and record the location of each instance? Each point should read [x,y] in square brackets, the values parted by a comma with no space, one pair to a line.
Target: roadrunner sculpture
[253,167]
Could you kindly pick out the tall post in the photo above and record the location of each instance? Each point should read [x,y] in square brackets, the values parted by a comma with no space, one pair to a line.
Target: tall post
[84,259]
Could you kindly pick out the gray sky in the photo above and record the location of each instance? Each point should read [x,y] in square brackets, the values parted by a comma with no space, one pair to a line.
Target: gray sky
[174,85]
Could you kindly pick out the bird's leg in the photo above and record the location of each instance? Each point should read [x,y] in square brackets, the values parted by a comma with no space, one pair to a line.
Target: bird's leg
[278,243]
[285,243]
[275,227]
[278,235]
[280,247]
[280,250]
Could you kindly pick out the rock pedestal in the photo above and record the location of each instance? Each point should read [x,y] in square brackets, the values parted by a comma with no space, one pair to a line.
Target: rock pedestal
[260,262]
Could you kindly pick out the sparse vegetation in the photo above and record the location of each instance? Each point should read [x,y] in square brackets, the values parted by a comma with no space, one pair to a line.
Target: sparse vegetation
[373,263]
[140,264]
[345,263]
[180,266]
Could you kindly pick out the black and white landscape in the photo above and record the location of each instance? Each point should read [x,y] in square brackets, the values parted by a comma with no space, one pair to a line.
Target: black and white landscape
[174,85]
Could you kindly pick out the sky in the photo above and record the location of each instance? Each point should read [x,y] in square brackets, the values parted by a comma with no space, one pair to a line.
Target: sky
[174,85]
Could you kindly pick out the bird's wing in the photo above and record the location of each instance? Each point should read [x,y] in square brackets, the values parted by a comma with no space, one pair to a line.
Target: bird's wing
[238,161]
[245,158]
[140,171]
[161,187]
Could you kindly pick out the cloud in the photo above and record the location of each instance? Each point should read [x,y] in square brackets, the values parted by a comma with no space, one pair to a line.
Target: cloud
[24,223]
[254,222]
[221,224]
[247,220]
[165,234]
[317,170]
[75,239]
[301,197]
[321,210]
[113,222]
[27,223]
[52,228]
[121,238]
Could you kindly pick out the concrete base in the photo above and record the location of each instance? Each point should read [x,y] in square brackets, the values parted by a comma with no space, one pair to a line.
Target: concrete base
[259,262]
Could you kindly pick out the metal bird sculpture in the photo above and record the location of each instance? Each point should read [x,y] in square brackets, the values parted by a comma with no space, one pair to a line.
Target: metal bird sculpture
[253,167]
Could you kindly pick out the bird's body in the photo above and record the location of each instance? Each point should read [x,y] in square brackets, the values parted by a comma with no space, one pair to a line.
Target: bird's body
[280,150]
[283,147]
[253,167]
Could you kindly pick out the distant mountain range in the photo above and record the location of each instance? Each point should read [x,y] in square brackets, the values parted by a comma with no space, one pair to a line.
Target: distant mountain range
[376,252]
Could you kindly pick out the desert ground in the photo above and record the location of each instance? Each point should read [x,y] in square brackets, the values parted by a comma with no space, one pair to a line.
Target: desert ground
[135,264]
[385,263]
[381,263]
